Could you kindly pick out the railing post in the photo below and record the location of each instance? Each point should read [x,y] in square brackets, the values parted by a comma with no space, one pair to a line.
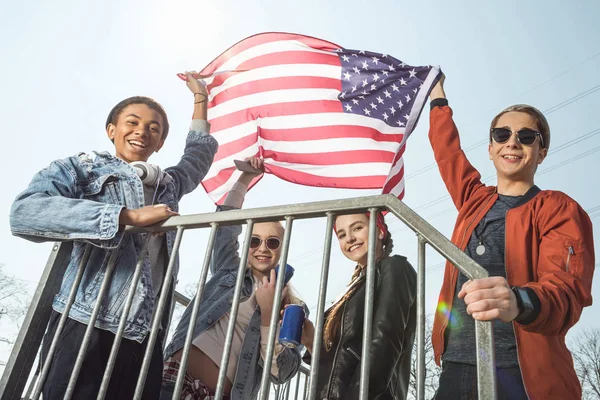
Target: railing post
[319,320]
[235,304]
[32,331]
[486,360]
[368,321]
[421,320]
[114,351]
[63,319]
[139,389]
[266,375]
[91,323]
[195,309]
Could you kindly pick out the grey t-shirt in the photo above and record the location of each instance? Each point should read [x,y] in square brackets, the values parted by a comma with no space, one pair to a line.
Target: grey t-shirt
[460,333]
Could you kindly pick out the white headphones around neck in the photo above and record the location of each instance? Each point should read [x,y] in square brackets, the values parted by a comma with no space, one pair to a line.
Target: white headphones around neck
[150,174]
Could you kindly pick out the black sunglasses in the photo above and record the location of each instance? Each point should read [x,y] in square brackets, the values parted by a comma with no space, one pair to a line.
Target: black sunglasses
[272,243]
[524,136]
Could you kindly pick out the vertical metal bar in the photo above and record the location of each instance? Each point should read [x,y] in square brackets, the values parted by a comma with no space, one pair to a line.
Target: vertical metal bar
[486,360]
[319,320]
[195,309]
[297,385]
[156,321]
[235,304]
[124,315]
[288,390]
[91,323]
[266,376]
[305,391]
[368,325]
[61,324]
[34,380]
[421,319]
[26,346]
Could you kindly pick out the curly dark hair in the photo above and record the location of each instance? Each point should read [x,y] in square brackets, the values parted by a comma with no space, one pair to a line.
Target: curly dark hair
[114,114]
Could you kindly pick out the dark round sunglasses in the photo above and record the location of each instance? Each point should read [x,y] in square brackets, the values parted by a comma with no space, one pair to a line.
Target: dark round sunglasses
[524,136]
[272,243]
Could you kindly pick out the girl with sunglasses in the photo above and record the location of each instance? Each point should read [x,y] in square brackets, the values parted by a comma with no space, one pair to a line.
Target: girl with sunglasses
[538,248]
[394,319]
[249,345]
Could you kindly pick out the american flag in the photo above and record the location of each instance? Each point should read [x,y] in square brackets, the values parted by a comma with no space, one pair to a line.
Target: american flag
[319,114]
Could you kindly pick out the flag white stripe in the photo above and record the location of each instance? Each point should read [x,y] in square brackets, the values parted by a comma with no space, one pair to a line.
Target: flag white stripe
[397,190]
[283,122]
[278,46]
[277,71]
[329,145]
[339,170]
[272,97]
[304,147]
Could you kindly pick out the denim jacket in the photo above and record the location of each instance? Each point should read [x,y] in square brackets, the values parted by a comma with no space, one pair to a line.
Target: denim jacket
[216,302]
[79,199]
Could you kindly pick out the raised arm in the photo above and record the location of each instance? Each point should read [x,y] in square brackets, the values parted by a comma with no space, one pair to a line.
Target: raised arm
[226,251]
[460,177]
[200,147]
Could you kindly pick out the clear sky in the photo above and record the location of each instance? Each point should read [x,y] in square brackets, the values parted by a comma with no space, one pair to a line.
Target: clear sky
[66,63]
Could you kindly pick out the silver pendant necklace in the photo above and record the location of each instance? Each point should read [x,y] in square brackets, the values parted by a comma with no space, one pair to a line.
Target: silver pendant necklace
[480,249]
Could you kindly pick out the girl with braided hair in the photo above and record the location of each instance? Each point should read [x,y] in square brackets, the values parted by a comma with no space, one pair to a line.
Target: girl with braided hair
[394,319]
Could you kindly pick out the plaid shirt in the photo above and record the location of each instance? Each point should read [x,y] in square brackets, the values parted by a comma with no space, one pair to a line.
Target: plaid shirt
[192,388]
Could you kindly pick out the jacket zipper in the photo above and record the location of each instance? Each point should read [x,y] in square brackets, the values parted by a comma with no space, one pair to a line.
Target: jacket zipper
[569,254]
[337,349]
[514,328]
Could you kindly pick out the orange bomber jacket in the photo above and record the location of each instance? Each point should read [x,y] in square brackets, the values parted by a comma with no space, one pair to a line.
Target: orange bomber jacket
[549,248]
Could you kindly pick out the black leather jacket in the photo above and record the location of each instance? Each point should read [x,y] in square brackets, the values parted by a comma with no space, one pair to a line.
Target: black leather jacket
[394,323]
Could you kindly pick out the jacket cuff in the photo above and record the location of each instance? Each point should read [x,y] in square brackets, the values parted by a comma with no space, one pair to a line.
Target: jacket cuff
[200,126]
[438,103]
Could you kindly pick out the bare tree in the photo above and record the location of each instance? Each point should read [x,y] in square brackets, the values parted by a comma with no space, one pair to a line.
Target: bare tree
[432,371]
[14,301]
[586,354]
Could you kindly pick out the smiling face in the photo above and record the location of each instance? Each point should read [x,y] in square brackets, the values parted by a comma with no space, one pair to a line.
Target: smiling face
[137,133]
[263,259]
[353,234]
[514,161]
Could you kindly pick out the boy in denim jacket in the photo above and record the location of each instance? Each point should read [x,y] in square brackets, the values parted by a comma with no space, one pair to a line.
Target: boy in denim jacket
[89,199]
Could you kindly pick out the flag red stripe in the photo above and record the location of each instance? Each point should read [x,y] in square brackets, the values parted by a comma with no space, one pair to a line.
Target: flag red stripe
[236,146]
[303,178]
[275,110]
[282,58]
[263,38]
[332,158]
[270,84]
[327,132]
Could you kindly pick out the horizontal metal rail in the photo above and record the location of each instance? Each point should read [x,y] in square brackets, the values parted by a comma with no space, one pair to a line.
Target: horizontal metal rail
[19,366]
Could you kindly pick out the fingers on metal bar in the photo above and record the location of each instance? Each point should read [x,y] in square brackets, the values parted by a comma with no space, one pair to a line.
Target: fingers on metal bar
[124,315]
[156,320]
[319,320]
[195,309]
[91,323]
[234,310]
[266,376]
[63,318]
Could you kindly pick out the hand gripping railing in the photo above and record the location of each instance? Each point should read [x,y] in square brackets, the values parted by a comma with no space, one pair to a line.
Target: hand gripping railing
[19,366]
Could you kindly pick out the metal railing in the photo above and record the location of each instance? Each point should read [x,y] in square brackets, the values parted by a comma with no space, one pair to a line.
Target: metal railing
[20,365]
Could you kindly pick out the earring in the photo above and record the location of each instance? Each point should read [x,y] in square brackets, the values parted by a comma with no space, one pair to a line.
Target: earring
[381,237]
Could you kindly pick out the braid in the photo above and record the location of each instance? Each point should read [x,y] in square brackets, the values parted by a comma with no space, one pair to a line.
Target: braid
[332,323]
